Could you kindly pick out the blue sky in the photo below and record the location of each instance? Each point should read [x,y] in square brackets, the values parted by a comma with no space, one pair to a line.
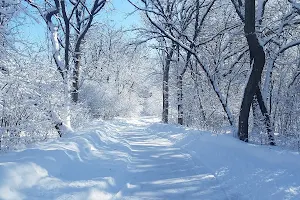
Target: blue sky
[116,14]
[120,14]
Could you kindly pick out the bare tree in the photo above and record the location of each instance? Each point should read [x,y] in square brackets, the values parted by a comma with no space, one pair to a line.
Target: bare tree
[72,20]
[263,39]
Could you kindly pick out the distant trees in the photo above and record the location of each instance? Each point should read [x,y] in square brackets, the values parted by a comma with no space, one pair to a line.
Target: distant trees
[114,74]
[241,49]
[180,26]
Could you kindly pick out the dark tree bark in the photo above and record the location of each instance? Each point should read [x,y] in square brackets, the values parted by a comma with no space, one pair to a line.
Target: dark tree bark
[58,128]
[257,58]
[67,34]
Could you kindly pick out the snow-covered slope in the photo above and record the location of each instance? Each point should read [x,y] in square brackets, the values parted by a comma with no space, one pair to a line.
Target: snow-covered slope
[143,159]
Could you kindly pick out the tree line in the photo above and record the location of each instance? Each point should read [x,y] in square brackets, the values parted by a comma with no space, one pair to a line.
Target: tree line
[243,53]
[202,63]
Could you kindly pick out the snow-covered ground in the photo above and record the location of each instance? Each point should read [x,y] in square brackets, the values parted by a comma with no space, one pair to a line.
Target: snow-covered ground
[141,159]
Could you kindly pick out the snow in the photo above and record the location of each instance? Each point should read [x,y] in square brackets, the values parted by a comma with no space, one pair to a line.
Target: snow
[144,159]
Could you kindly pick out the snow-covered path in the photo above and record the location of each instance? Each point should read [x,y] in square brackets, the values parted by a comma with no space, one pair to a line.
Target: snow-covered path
[141,159]
[119,160]
[158,170]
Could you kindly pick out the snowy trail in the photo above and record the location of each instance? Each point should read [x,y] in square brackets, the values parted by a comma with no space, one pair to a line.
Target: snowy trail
[158,170]
[141,159]
[118,160]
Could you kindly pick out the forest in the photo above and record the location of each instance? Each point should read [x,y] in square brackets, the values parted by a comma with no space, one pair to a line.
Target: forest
[149,99]
[209,64]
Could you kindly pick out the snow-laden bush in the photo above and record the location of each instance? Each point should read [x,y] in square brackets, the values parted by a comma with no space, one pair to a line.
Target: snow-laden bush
[30,92]
[105,102]
[24,104]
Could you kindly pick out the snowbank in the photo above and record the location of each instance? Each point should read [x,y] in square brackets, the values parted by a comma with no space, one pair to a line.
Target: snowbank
[246,171]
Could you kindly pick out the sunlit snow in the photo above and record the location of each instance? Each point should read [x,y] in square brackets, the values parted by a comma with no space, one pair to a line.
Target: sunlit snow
[143,159]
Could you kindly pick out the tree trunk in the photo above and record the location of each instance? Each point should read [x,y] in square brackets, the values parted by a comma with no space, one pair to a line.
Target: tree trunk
[166,70]
[75,78]
[180,87]
[257,57]
[180,99]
